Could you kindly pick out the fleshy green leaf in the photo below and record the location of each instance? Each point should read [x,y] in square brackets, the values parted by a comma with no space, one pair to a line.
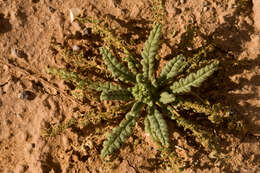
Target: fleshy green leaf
[121,95]
[166,98]
[173,68]
[149,51]
[117,69]
[194,79]
[132,64]
[119,134]
[158,126]
[98,86]
[148,129]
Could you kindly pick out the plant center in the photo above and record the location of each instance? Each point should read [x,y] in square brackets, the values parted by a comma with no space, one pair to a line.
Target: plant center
[143,92]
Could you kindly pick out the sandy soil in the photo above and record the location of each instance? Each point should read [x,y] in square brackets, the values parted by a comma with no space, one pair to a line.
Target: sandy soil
[29,100]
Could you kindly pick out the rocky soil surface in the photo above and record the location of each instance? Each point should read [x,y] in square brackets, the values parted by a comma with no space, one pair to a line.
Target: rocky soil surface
[30,99]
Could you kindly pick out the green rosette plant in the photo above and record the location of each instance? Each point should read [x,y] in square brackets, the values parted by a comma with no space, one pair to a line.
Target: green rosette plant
[151,93]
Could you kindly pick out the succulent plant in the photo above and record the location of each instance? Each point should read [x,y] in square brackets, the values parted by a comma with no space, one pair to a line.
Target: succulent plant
[150,92]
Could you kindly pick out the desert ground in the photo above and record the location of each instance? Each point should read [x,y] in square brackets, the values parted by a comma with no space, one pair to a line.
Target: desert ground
[32,100]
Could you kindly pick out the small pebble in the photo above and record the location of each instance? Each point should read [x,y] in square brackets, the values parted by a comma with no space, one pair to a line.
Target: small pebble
[173,11]
[86,31]
[233,6]
[174,33]
[5,68]
[176,135]
[205,9]
[52,10]
[182,1]
[65,141]
[75,48]
[249,21]
[112,3]
[20,116]
[205,3]
[74,12]
[137,141]
[26,95]
[18,53]
[75,157]
[168,168]
[89,144]
[135,11]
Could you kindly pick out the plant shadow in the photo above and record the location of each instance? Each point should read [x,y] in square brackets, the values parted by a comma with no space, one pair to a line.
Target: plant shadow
[228,41]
